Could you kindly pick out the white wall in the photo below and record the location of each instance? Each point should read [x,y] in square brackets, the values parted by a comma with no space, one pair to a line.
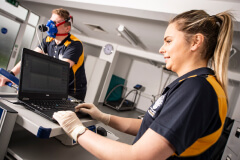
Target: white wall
[234,61]
[234,85]
[236,111]
[132,64]
[96,70]
[234,99]
[91,50]
[139,71]
[123,65]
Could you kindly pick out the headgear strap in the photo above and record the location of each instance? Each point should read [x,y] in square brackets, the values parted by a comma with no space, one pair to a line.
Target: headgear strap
[58,24]
[66,20]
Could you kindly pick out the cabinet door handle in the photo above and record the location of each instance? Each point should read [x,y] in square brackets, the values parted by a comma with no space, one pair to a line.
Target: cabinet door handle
[237,134]
[228,158]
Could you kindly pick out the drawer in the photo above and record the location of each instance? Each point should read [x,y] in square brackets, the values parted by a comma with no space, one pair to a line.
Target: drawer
[229,155]
[234,138]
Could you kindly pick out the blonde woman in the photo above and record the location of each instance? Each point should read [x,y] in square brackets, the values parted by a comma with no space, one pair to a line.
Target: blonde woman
[188,118]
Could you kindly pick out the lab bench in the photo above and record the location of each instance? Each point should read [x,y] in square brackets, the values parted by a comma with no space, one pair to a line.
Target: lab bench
[29,140]
[36,124]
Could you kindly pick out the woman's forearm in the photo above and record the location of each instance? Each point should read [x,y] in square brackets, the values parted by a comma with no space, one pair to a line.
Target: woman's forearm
[126,125]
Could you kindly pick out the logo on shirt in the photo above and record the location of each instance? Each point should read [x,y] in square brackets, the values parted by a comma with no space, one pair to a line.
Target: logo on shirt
[156,106]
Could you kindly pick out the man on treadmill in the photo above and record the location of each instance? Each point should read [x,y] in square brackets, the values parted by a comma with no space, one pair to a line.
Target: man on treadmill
[59,43]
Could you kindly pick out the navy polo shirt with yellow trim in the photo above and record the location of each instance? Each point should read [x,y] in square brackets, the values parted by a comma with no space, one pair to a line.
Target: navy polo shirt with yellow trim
[190,114]
[70,48]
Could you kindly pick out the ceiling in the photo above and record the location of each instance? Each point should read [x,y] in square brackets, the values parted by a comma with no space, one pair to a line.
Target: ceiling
[147,22]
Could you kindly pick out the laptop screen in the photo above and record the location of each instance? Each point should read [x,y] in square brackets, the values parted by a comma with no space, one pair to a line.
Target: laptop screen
[43,77]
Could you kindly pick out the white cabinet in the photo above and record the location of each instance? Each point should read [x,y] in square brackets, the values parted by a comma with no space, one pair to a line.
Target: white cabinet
[232,149]
[229,155]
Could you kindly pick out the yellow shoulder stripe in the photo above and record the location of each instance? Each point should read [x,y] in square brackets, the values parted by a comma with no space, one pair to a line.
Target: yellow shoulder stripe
[73,38]
[187,77]
[49,39]
[67,43]
[79,63]
[204,143]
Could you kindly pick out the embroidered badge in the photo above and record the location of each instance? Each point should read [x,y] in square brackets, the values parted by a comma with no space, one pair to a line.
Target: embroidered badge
[156,106]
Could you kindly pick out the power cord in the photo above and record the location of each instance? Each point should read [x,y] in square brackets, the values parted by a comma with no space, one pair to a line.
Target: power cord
[40,44]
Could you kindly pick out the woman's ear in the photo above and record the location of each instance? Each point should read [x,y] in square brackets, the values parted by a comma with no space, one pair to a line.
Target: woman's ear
[197,41]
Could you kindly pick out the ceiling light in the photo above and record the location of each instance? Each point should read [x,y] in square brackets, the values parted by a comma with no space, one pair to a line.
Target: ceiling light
[94,27]
[127,35]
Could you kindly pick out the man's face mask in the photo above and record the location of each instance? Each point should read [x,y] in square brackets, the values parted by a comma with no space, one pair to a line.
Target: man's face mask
[51,28]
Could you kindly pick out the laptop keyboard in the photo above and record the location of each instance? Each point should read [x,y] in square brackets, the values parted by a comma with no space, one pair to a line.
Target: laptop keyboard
[51,104]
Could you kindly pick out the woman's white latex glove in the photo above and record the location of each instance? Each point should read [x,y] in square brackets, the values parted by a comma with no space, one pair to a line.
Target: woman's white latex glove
[94,112]
[70,123]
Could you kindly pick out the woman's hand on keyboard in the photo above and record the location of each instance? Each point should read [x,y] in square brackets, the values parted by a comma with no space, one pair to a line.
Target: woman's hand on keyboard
[94,112]
[70,123]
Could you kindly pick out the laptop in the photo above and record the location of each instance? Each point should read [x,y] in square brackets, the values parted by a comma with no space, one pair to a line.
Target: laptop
[43,86]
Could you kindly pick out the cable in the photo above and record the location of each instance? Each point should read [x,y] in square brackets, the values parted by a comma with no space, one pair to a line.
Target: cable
[165,84]
[160,87]
[169,75]
[40,44]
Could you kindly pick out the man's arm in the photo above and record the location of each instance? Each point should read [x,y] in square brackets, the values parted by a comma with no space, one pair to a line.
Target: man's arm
[64,59]
[16,69]
[38,50]
[69,61]
[73,54]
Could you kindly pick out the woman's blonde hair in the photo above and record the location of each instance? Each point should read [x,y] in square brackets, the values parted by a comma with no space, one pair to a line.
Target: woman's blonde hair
[218,34]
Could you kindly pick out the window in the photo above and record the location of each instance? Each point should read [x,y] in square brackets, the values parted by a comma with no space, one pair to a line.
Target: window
[9,32]
[26,41]
[33,19]
[18,12]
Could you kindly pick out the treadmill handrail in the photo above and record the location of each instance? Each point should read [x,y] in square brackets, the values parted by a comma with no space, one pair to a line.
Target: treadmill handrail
[127,96]
[119,85]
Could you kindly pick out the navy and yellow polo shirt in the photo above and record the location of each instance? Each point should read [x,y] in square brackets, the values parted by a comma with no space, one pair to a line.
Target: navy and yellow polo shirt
[190,114]
[70,48]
